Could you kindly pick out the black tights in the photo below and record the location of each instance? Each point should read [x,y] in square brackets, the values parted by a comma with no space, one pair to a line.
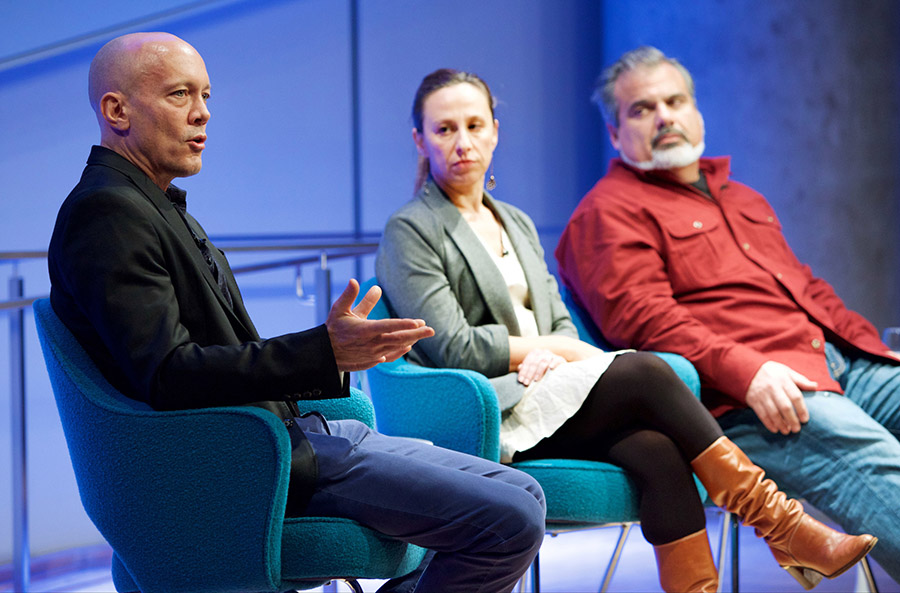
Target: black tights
[643,418]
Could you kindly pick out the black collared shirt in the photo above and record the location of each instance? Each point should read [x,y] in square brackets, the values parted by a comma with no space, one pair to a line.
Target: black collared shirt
[178,197]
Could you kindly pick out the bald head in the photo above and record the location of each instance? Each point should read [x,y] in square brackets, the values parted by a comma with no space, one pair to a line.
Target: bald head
[149,91]
[121,63]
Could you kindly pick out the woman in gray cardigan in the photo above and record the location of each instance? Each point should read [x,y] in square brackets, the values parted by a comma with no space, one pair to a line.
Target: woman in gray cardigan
[472,267]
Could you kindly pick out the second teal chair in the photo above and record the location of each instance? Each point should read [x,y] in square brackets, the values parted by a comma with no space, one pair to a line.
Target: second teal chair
[457,409]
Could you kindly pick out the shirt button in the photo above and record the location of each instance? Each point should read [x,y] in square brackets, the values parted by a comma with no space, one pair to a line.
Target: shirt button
[816,343]
[778,275]
[746,246]
[771,219]
[698,224]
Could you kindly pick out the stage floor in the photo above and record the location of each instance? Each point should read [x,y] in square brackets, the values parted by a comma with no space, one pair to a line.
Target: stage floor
[570,563]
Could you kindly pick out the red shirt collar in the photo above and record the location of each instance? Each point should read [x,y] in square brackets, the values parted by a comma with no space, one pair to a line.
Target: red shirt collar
[716,169]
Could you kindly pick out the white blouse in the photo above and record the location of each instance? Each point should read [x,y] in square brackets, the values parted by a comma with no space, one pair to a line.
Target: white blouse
[548,403]
[512,272]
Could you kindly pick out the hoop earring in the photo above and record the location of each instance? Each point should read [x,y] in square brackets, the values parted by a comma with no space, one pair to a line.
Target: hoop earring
[491,182]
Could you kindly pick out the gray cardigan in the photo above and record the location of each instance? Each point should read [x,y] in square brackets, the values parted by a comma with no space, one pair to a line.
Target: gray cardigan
[432,266]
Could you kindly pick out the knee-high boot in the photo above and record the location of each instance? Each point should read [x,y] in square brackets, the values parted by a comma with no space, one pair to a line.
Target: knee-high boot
[686,565]
[803,546]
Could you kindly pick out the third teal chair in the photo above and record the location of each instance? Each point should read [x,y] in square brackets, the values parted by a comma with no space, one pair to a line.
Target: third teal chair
[590,332]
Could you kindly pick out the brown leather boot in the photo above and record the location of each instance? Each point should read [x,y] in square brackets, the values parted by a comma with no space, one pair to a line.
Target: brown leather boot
[686,565]
[803,546]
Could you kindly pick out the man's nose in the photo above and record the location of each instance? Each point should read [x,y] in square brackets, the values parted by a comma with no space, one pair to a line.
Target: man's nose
[201,113]
[663,116]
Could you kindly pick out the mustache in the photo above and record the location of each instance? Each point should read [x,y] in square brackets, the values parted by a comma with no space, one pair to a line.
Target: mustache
[666,131]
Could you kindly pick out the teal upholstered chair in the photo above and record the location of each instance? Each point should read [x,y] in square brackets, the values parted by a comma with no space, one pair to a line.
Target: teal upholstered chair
[458,409]
[590,332]
[194,500]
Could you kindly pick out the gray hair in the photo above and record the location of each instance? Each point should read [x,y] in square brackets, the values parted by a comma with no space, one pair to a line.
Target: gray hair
[642,57]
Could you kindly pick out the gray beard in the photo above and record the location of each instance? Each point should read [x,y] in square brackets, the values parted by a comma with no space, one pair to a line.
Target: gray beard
[669,158]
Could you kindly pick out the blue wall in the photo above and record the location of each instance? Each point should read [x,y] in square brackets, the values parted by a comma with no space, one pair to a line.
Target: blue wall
[803,93]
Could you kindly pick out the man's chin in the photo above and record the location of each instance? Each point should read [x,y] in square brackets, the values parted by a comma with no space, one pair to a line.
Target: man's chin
[680,155]
[191,168]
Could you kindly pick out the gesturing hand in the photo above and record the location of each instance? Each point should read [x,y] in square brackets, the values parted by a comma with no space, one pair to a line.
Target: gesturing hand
[536,364]
[360,343]
[775,395]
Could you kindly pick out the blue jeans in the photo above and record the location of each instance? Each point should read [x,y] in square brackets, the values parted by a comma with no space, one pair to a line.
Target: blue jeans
[846,460]
[484,521]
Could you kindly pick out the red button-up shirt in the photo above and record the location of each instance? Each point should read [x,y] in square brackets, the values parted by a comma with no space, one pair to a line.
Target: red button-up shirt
[661,266]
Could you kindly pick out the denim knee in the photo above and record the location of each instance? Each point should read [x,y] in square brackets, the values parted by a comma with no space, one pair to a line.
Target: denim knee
[520,520]
[531,518]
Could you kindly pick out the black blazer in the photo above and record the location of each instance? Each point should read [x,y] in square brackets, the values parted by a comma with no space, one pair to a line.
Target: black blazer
[130,282]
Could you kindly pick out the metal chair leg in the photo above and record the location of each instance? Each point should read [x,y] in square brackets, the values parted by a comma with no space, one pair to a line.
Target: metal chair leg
[730,525]
[735,556]
[331,586]
[617,554]
[723,547]
[869,577]
[536,574]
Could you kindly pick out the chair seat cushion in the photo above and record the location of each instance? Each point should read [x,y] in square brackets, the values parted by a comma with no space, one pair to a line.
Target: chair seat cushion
[566,481]
[309,552]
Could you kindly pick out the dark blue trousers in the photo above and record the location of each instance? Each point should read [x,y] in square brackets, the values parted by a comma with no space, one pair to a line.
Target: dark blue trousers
[484,521]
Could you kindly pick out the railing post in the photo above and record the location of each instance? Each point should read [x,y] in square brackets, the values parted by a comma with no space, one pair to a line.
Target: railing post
[323,289]
[21,551]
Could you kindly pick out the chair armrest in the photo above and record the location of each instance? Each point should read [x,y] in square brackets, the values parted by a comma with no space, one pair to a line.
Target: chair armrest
[453,408]
[358,407]
[684,369]
[408,398]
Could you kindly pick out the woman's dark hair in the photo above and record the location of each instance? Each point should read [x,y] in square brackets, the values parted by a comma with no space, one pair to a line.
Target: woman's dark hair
[435,81]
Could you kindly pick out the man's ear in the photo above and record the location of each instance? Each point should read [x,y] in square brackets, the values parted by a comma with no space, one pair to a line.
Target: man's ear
[613,136]
[114,110]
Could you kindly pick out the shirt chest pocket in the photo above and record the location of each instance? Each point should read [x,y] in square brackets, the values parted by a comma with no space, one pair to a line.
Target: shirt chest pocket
[762,231]
[700,253]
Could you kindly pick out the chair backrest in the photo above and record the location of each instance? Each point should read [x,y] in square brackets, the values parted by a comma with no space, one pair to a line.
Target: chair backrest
[408,397]
[62,349]
[588,331]
[87,403]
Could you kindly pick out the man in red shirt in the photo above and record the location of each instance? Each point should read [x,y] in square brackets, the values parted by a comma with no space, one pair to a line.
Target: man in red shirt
[667,253]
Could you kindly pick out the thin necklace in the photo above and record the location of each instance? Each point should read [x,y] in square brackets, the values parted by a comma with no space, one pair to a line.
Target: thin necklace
[503,250]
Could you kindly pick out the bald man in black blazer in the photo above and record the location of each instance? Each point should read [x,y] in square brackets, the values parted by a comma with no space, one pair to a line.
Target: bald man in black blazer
[154,303]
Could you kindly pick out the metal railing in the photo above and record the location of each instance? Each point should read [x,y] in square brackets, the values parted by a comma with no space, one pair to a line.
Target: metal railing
[325,248]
